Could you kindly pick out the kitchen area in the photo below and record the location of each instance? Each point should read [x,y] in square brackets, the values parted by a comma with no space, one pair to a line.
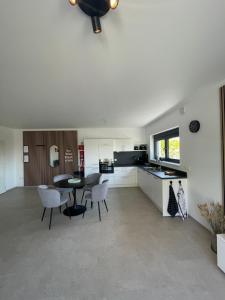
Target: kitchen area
[126,164]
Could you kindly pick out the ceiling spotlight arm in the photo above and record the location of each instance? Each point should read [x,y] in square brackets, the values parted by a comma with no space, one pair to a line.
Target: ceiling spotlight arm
[96,24]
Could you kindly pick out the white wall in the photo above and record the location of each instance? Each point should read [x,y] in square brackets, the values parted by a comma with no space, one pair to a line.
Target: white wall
[8,137]
[200,152]
[19,157]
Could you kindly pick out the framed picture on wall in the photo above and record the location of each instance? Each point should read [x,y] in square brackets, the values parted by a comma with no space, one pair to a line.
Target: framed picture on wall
[26,158]
[25,149]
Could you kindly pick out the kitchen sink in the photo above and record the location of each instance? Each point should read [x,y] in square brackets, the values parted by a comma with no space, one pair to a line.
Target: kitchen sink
[151,168]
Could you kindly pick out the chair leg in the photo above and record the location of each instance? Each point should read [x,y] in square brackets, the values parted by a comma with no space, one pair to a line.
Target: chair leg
[50,222]
[106,205]
[99,212]
[68,210]
[91,204]
[85,207]
[82,197]
[42,218]
[60,209]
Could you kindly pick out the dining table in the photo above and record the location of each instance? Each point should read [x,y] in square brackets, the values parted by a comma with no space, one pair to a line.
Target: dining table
[78,183]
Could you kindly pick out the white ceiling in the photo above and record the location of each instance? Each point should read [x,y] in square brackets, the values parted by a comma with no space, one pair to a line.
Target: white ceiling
[56,73]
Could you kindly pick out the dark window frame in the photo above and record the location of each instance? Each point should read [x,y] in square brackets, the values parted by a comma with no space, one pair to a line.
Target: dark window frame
[166,135]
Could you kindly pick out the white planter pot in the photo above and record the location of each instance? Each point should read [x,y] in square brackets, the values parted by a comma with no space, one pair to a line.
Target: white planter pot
[221,251]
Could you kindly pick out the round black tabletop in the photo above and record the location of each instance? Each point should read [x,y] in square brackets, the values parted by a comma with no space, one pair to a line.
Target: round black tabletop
[76,209]
[65,184]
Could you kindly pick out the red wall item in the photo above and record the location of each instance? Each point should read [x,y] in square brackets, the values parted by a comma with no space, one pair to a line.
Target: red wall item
[81,157]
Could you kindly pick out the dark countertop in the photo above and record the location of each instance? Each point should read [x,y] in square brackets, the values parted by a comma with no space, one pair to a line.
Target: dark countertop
[128,165]
[159,174]
[162,175]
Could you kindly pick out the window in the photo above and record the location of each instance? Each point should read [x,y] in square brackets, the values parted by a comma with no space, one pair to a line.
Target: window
[167,146]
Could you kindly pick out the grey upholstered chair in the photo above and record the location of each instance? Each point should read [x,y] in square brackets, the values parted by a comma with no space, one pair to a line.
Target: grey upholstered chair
[60,177]
[90,181]
[98,194]
[51,198]
[106,180]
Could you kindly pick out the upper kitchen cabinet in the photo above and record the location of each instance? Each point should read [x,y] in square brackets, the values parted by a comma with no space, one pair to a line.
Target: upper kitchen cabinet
[123,145]
[105,148]
[91,156]
[96,149]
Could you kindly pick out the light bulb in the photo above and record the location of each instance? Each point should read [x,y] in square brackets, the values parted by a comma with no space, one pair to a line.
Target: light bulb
[113,3]
[73,2]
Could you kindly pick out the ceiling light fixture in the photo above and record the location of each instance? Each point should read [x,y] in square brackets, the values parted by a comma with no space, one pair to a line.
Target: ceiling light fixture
[113,3]
[73,2]
[95,9]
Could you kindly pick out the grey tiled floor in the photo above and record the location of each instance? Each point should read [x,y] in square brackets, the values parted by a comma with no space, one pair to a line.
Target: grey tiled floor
[132,254]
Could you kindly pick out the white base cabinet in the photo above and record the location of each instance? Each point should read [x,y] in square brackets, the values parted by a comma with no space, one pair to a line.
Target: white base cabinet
[221,251]
[125,176]
[157,189]
[122,176]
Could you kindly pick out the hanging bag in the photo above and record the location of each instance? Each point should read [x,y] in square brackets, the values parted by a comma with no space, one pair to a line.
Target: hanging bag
[172,204]
[182,202]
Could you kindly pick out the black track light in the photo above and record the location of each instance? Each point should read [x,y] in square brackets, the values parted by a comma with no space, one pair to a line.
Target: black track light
[96,24]
[95,9]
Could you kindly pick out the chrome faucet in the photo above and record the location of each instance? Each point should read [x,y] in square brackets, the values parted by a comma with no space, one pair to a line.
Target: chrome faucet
[158,160]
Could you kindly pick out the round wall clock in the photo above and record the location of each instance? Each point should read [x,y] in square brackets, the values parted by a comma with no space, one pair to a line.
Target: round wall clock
[194,126]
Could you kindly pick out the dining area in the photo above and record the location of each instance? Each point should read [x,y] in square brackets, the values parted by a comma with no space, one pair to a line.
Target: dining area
[62,195]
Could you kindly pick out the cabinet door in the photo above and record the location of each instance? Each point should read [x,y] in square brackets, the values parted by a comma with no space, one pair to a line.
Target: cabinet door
[156,192]
[105,149]
[152,187]
[123,145]
[143,181]
[91,155]
[140,179]
[125,176]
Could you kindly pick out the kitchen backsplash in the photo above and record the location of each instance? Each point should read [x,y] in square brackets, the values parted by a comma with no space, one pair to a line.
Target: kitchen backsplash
[130,158]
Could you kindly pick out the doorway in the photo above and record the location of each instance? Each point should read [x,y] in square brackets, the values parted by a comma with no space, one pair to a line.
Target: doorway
[2,167]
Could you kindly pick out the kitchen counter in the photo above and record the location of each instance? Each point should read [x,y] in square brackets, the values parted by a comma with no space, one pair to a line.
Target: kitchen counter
[159,174]
[128,165]
[156,185]
[162,175]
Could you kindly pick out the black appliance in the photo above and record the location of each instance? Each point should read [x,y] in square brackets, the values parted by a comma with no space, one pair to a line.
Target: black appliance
[143,147]
[106,167]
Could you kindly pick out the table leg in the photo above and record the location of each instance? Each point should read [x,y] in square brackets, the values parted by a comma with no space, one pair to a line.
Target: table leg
[76,209]
[75,197]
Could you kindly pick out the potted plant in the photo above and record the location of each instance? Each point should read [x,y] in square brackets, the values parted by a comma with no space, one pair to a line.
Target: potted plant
[214,214]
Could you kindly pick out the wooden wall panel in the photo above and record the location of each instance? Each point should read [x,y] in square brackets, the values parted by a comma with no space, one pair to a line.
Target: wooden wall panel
[38,170]
[70,150]
[54,138]
[34,170]
[35,138]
